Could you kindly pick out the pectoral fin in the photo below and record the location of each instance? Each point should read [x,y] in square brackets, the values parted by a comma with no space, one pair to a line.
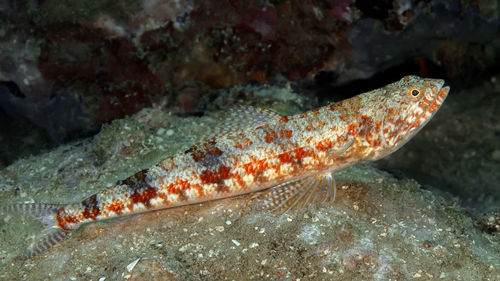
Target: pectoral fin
[298,194]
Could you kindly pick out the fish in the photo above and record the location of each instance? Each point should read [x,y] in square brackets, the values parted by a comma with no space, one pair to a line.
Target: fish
[291,159]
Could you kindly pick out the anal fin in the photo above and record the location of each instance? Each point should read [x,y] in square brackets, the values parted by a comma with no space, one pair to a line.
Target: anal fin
[297,194]
[50,238]
[45,213]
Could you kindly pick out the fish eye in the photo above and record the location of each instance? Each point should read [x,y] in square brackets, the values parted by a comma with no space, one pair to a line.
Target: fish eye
[415,92]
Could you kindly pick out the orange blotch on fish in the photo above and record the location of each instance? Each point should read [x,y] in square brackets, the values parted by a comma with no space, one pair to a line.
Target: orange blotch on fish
[352,129]
[116,206]
[284,119]
[64,219]
[91,214]
[309,127]
[208,148]
[196,153]
[433,107]
[143,197]
[286,133]
[214,151]
[270,136]
[199,189]
[178,186]
[217,176]
[324,145]
[248,142]
[255,167]
[164,198]
[243,144]
[285,157]
[239,181]
[301,153]
[366,127]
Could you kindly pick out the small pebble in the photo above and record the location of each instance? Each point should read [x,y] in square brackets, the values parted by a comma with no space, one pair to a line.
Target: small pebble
[131,266]
[160,131]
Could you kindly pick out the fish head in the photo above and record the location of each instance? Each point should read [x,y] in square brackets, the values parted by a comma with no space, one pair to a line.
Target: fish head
[400,110]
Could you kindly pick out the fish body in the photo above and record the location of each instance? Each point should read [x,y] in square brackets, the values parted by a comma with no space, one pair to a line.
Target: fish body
[256,149]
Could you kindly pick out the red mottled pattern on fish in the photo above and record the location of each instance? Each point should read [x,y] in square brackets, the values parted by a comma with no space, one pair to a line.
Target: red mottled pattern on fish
[365,127]
[255,149]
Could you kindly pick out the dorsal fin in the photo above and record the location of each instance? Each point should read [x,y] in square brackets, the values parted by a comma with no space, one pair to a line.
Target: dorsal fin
[37,210]
[240,118]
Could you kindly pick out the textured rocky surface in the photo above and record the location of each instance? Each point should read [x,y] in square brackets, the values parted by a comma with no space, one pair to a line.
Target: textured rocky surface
[380,227]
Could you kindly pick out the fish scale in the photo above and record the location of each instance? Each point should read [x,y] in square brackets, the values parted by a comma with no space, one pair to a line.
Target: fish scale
[253,149]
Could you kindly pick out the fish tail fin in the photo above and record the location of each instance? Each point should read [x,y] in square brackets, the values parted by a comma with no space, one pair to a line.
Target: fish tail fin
[46,214]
